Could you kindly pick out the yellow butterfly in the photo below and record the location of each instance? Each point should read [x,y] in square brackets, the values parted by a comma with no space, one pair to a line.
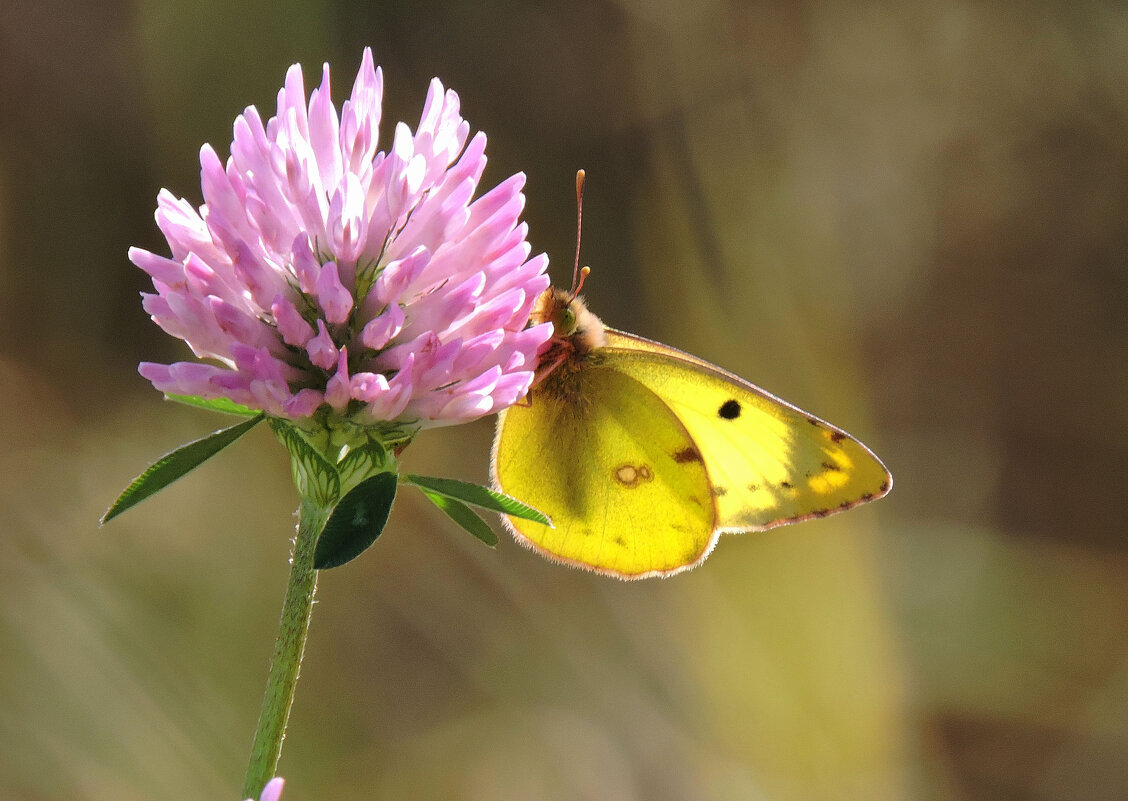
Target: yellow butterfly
[642,455]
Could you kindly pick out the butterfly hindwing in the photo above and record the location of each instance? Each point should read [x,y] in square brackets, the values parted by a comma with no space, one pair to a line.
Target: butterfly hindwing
[610,463]
[768,462]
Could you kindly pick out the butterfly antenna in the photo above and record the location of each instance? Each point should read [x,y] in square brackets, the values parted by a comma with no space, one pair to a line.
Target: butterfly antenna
[578,275]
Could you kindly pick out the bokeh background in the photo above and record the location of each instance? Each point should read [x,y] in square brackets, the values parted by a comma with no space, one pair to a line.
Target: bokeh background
[909,218]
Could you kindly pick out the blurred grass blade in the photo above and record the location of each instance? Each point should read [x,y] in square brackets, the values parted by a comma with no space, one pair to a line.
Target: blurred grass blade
[478,496]
[175,464]
[356,521]
[463,515]
[213,404]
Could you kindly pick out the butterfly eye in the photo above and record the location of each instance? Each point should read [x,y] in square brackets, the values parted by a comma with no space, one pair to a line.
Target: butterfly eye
[566,322]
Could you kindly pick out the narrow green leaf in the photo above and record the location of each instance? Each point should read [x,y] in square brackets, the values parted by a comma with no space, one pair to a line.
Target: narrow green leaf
[356,522]
[463,515]
[213,404]
[175,464]
[478,496]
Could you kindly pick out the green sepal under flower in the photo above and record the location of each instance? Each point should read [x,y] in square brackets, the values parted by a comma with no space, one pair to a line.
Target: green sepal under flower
[330,454]
[350,471]
[315,478]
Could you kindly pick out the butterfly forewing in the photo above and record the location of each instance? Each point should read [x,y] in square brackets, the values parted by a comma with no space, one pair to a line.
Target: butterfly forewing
[768,462]
[609,462]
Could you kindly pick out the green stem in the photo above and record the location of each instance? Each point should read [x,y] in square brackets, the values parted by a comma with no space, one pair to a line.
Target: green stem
[287,659]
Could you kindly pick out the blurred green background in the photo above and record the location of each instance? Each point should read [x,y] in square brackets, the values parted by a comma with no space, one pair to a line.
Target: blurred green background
[909,218]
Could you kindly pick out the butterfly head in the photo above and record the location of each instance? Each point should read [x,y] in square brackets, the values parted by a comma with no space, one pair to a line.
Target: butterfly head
[576,333]
[574,327]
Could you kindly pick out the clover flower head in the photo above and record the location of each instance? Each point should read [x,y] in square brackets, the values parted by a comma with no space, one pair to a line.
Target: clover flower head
[324,275]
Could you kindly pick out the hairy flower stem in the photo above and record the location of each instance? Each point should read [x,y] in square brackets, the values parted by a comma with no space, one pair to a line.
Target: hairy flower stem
[288,648]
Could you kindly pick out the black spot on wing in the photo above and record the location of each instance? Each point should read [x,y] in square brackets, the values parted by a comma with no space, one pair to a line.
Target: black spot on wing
[831,467]
[730,410]
[837,436]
